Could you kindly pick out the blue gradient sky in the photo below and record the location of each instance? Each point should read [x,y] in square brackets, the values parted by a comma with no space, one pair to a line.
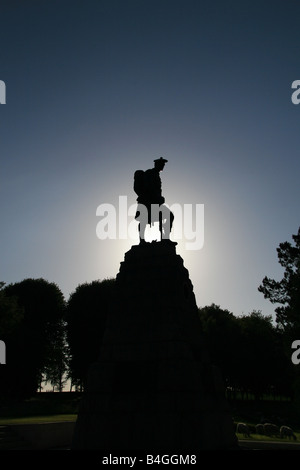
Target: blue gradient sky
[97,89]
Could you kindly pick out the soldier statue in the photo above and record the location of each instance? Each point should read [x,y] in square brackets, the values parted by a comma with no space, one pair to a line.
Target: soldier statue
[151,207]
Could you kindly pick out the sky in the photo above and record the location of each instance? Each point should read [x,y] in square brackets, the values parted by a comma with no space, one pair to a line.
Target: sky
[98,89]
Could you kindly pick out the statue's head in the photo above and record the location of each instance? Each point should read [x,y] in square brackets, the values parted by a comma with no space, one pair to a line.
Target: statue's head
[159,163]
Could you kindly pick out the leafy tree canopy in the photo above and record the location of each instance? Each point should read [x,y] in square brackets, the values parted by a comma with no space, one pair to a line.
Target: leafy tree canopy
[86,315]
[11,314]
[31,341]
[287,291]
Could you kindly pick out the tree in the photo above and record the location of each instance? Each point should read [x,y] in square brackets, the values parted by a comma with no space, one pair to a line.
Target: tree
[86,315]
[11,314]
[221,331]
[56,368]
[247,350]
[10,317]
[287,291]
[33,340]
[264,368]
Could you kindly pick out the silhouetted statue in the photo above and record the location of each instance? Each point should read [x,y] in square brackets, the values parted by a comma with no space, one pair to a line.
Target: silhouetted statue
[151,207]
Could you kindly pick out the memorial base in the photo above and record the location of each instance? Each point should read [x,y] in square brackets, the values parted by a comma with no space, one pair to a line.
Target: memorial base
[153,386]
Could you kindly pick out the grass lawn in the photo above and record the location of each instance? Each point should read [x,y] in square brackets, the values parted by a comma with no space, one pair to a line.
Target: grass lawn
[261,437]
[41,408]
[38,419]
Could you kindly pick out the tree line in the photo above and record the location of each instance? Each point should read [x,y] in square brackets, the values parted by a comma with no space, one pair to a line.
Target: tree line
[52,340]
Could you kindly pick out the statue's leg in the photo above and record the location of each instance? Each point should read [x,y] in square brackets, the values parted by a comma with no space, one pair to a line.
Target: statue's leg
[171,220]
[168,217]
[143,221]
[142,228]
[160,225]
[166,228]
